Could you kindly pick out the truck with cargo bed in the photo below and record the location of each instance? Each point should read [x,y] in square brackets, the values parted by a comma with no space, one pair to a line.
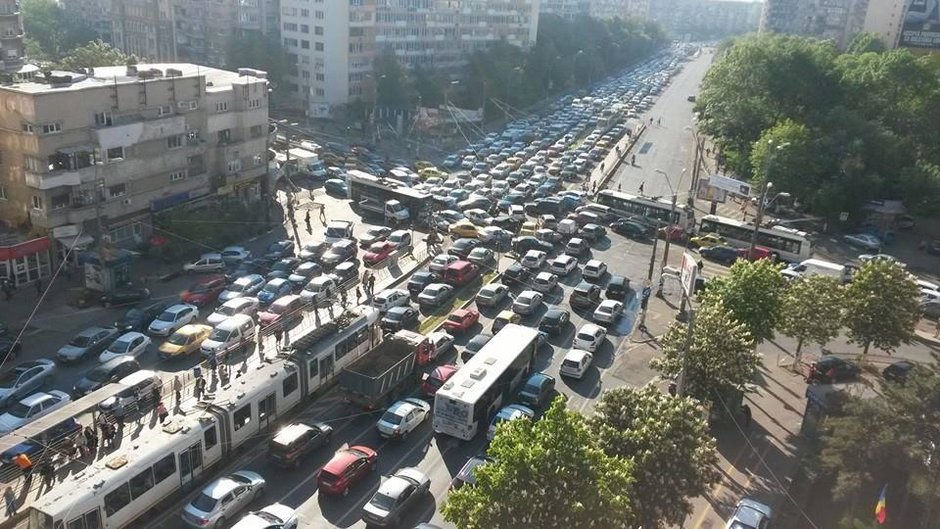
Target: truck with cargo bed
[380,374]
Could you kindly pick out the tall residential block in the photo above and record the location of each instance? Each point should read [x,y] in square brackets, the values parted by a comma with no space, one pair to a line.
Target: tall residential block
[11,36]
[100,152]
[705,19]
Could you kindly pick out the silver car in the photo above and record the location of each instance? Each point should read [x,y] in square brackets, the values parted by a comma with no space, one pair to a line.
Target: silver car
[25,378]
[399,493]
[274,516]
[222,499]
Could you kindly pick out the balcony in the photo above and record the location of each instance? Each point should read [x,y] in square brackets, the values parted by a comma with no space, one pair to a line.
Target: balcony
[7,35]
[53,180]
[130,130]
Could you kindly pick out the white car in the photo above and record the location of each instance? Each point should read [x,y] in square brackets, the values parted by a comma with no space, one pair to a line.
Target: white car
[209,262]
[513,412]
[866,257]
[403,417]
[392,297]
[442,261]
[563,265]
[526,302]
[243,286]
[749,513]
[576,363]
[544,282]
[608,311]
[864,240]
[319,289]
[232,307]
[589,337]
[492,294]
[172,319]
[31,408]
[482,257]
[373,235]
[233,255]
[274,516]
[129,344]
[478,217]
[594,269]
[533,259]
[441,341]
[493,233]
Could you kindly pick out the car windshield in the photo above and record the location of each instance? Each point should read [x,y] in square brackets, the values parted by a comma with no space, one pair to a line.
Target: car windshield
[167,316]
[178,339]
[336,231]
[227,310]
[133,314]
[395,316]
[204,503]
[119,347]
[81,341]
[454,318]
[199,287]
[220,335]
[386,503]
[277,309]
[531,387]
[586,336]
[570,363]
[98,374]
[19,410]
[272,288]
[391,418]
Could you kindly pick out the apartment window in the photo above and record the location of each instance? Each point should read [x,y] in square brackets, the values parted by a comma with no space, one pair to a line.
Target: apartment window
[115,154]
[254,103]
[37,202]
[163,110]
[118,190]
[320,92]
[318,15]
[176,176]
[304,28]
[290,26]
[3,193]
[221,106]
[304,13]
[28,128]
[305,44]
[60,201]
[51,128]
[174,142]
[305,74]
[225,136]
[356,32]
[319,46]
[290,42]
[234,166]
[255,131]
[103,119]
[320,77]
[35,165]
[318,30]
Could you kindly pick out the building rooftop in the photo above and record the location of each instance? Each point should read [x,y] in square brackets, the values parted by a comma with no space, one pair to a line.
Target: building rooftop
[58,81]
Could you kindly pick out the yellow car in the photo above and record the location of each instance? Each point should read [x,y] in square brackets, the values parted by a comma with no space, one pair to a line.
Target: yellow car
[186,340]
[423,164]
[528,228]
[504,317]
[432,172]
[708,240]
[464,228]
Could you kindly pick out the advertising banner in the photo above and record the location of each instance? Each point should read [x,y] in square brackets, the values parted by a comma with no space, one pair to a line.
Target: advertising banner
[921,27]
[736,187]
[708,193]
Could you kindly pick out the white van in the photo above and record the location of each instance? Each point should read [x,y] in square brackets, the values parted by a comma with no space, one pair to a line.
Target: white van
[567,227]
[820,268]
[229,335]
[337,230]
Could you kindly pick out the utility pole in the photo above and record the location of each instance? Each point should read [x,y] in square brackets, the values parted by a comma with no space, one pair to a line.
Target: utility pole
[649,281]
[765,187]
[672,211]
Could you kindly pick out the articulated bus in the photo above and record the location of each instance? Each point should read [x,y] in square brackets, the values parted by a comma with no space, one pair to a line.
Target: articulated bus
[788,244]
[124,485]
[485,383]
[655,209]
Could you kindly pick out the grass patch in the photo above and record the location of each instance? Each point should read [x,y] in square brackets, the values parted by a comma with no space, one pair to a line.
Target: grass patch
[464,295]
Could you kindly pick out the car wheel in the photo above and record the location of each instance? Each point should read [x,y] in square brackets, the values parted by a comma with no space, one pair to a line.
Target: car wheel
[220,523]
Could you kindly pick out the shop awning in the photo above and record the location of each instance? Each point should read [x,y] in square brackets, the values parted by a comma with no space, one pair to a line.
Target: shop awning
[79,241]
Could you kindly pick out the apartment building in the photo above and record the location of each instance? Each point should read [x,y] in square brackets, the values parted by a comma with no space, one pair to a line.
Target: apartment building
[602,9]
[143,28]
[99,152]
[706,19]
[11,36]
[331,44]
[841,20]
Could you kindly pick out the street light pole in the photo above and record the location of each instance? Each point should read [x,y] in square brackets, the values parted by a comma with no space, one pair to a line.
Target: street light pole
[765,187]
[672,212]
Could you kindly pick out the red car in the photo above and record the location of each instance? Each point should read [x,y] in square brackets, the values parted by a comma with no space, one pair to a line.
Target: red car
[675,233]
[760,252]
[206,291]
[461,320]
[283,312]
[378,252]
[348,466]
[435,379]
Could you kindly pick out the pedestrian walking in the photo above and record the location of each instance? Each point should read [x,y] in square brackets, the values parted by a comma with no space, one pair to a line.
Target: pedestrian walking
[619,187]
[371,285]
[342,297]
[323,213]
[198,387]
[746,412]
[155,394]
[358,295]
[641,187]
[286,341]
[91,439]
[178,390]
[162,414]
[25,465]
[277,339]
[213,364]
[594,184]
[260,347]
[659,121]
[108,434]
[119,413]
[307,219]
[632,159]
[10,498]
[47,473]
[7,289]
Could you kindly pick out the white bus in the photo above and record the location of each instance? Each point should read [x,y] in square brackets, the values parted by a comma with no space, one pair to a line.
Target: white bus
[787,243]
[484,384]
[654,209]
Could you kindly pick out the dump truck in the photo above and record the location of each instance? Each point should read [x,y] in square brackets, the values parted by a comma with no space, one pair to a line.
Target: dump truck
[375,379]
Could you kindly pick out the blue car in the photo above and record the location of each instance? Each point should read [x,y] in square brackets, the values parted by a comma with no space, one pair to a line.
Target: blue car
[336,187]
[274,289]
[537,390]
[280,249]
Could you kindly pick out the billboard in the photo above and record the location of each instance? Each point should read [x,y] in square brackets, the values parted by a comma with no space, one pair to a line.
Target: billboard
[735,187]
[921,27]
[708,193]
[688,273]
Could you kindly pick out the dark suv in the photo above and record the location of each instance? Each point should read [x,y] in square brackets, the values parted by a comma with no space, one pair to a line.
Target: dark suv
[585,295]
[295,441]
[516,274]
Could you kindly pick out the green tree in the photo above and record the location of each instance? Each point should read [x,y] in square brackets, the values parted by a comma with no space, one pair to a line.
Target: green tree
[866,43]
[790,152]
[392,87]
[811,310]
[920,188]
[94,54]
[548,474]
[667,438]
[882,306]
[52,32]
[721,355]
[253,50]
[427,87]
[752,293]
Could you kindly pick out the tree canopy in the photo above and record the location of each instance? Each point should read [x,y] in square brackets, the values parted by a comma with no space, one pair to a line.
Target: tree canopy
[667,439]
[51,33]
[720,357]
[549,474]
[95,53]
[253,50]
[752,294]
[811,310]
[882,306]
[860,125]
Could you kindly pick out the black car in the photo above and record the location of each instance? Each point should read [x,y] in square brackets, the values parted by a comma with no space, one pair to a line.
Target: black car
[554,321]
[898,371]
[592,232]
[398,318]
[110,371]
[137,319]
[585,295]
[462,247]
[537,390]
[421,279]
[124,296]
[523,244]
[516,274]
[282,268]
[10,347]
[617,288]
[830,369]
[722,254]
[248,267]
[280,249]
[465,476]
[475,344]
[295,441]
[631,229]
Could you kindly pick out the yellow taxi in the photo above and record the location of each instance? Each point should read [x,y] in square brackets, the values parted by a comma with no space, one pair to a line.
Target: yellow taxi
[423,164]
[186,340]
[504,317]
[432,172]
[529,228]
[464,228]
[708,240]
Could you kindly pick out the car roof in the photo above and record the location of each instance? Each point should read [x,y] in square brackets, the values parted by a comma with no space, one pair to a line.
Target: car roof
[398,309]
[591,328]
[193,328]
[394,486]
[751,512]
[576,355]
[35,398]
[220,487]
[178,307]
[291,432]
[343,458]
[538,378]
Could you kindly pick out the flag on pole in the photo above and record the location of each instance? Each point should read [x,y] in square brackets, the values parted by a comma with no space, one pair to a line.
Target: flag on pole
[881,508]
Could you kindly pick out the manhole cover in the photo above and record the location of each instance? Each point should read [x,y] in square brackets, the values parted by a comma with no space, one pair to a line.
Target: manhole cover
[646,147]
